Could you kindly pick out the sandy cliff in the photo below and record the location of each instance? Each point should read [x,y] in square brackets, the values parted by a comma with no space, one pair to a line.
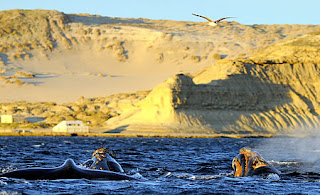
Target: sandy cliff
[274,91]
[68,56]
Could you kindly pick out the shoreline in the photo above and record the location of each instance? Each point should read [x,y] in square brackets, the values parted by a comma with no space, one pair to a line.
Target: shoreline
[151,135]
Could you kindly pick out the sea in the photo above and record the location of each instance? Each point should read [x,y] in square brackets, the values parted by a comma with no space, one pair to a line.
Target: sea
[164,165]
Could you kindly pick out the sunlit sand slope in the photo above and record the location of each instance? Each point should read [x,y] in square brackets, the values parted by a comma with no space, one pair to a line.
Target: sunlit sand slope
[53,56]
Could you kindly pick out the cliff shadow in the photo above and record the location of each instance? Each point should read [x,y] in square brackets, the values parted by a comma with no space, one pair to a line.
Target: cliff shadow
[4,58]
[34,119]
[243,103]
[100,20]
[117,130]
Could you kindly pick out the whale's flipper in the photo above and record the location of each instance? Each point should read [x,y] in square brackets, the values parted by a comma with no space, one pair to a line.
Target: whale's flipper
[69,170]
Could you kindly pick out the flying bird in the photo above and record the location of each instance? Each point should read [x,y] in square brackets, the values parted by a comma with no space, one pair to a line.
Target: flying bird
[215,22]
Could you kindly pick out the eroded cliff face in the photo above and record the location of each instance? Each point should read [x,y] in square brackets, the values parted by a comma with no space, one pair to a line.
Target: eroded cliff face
[274,91]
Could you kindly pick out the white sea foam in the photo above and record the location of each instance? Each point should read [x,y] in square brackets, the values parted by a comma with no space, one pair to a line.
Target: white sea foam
[273,177]
[6,193]
[139,177]
[283,162]
[206,177]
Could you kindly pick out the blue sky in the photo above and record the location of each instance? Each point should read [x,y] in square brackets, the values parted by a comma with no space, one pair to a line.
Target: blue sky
[246,11]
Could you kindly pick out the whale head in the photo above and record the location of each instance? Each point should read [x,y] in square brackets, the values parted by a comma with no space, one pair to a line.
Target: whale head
[249,163]
[103,159]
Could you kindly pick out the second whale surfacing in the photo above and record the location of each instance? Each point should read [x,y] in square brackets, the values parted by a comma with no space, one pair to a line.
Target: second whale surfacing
[68,170]
[250,163]
[103,159]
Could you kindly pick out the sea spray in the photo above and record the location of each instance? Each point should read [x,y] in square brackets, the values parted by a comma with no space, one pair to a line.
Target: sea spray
[304,152]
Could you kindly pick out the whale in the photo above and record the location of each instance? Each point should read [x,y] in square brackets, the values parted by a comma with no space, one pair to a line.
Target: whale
[250,163]
[104,159]
[68,170]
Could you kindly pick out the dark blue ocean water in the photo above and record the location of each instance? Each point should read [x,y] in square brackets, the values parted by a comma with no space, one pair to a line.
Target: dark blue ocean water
[166,165]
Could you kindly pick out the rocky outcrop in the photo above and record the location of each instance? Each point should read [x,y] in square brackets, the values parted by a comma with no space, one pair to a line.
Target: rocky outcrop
[255,95]
[160,110]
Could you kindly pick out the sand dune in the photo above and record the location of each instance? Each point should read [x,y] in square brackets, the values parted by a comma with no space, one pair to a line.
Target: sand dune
[87,55]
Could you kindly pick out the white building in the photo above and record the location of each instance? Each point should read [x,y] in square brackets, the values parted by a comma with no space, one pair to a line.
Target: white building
[7,118]
[71,127]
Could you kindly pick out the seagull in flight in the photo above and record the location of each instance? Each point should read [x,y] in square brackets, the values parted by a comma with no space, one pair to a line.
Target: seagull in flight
[213,23]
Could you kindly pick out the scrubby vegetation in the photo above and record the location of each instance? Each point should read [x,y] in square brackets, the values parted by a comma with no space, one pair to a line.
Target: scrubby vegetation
[24,30]
[23,74]
[216,56]
[92,111]
[25,125]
